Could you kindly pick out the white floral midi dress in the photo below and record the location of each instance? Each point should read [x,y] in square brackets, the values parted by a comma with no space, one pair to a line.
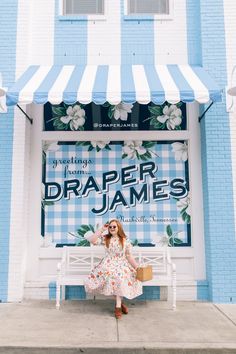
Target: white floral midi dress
[113,275]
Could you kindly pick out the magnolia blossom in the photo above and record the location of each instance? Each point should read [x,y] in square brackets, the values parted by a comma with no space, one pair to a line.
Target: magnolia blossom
[75,116]
[160,240]
[89,235]
[121,111]
[50,146]
[180,150]
[131,147]
[171,116]
[100,144]
[184,203]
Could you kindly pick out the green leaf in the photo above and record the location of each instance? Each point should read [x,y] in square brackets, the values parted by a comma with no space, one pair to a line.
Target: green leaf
[107,147]
[90,148]
[177,241]
[91,227]
[58,111]
[81,233]
[169,230]
[124,156]
[106,104]
[148,144]
[157,111]
[110,113]
[85,227]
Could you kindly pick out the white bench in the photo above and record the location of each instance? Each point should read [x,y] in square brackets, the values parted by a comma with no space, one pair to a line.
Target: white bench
[77,262]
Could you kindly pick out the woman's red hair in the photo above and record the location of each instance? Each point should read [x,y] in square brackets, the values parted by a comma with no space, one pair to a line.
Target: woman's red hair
[120,233]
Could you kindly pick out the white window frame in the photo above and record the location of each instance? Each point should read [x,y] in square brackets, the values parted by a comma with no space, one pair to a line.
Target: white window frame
[195,254]
[74,17]
[141,16]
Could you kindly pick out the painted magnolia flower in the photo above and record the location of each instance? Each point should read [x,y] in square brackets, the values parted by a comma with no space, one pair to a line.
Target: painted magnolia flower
[171,116]
[75,116]
[121,111]
[160,240]
[50,146]
[100,144]
[184,203]
[180,150]
[131,147]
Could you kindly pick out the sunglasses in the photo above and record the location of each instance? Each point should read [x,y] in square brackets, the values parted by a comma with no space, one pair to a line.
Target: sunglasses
[112,227]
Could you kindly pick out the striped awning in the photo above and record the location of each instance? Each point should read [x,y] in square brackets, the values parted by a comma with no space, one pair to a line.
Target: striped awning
[113,84]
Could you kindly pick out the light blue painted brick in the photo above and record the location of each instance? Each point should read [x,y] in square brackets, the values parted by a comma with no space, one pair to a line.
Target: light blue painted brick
[217,165]
[8,15]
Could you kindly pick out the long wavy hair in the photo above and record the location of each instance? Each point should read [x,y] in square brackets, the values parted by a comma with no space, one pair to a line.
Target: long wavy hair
[122,236]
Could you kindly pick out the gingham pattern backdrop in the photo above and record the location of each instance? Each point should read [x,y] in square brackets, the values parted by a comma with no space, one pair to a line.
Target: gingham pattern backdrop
[66,216]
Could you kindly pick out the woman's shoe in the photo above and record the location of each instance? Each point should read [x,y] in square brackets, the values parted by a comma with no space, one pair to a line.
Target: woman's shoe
[118,313]
[124,309]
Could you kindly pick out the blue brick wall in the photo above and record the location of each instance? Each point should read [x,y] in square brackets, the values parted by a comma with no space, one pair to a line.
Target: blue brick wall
[137,39]
[202,290]
[194,32]
[70,42]
[217,165]
[8,13]
[78,292]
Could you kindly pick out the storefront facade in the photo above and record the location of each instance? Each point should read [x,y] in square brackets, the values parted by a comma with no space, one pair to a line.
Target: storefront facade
[148,162]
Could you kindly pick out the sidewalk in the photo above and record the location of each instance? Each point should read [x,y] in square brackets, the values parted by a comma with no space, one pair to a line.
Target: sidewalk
[90,327]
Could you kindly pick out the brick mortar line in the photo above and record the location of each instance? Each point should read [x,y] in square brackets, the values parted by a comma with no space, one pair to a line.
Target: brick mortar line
[223,313]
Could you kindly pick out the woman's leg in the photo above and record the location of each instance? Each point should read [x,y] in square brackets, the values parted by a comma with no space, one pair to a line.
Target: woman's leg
[118,301]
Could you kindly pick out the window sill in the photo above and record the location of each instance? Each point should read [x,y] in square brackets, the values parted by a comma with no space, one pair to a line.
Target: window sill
[82,18]
[147,18]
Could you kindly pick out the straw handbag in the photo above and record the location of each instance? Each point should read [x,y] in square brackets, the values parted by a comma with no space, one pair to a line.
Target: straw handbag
[144,273]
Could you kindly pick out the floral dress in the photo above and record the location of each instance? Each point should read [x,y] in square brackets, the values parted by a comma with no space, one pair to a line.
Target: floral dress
[113,275]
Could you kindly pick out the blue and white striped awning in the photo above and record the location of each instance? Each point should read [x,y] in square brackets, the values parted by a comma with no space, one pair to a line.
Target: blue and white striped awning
[113,83]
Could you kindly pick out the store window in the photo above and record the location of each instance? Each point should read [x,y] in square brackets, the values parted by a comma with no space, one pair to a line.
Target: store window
[142,182]
[83,7]
[160,7]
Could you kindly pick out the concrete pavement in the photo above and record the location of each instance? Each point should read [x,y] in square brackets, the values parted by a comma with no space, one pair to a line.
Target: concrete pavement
[90,327]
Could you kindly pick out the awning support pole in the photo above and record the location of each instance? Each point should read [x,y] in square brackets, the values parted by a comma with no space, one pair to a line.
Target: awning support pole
[30,119]
[203,114]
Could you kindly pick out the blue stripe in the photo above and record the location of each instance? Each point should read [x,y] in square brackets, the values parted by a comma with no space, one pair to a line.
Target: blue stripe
[100,85]
[214,91]
[41,94]
[128,94]
[8,28]
[70,93]
[194,36]
[156,88]
[186,92]
[70,39]
[99,92]
[13,93]
[137,39]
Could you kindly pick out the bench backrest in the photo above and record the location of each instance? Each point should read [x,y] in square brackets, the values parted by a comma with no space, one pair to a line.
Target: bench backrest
[155,256]
[83,259]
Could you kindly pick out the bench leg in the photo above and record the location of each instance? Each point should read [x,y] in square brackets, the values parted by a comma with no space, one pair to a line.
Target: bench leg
[58,296]
[174,289]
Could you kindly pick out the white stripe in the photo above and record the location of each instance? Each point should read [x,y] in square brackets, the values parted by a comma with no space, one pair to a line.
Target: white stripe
[201,92]
[114,85]
[55,94]
[104,36]
[172,94]
[84,94]
[142,89]
[27,93]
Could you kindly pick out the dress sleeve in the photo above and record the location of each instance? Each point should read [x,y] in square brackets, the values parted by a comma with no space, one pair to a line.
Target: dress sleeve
[128,248]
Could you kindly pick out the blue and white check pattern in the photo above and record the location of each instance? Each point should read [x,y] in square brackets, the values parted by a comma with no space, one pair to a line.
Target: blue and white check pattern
[146,221]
